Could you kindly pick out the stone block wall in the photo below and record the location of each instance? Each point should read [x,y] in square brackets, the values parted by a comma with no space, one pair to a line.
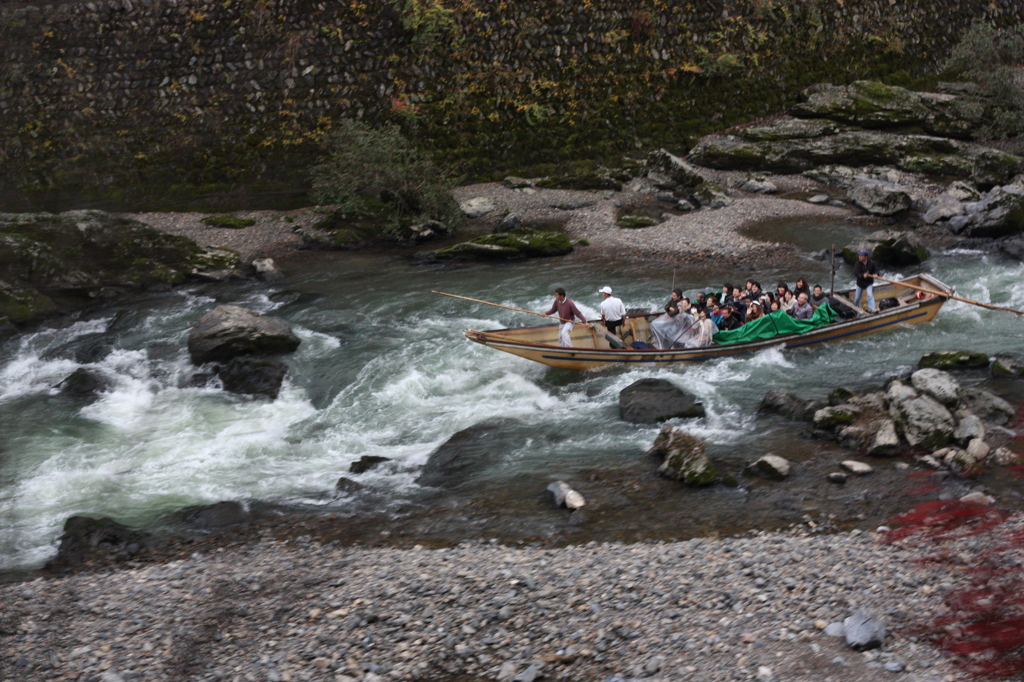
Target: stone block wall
[206,96]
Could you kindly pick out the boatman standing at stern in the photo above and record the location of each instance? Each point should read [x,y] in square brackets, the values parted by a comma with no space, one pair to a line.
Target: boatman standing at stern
[568,312]
[612,310]
[863,269]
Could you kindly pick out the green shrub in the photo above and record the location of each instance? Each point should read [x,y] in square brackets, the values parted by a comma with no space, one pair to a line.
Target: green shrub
[990,57]
[228,221]
[377,172]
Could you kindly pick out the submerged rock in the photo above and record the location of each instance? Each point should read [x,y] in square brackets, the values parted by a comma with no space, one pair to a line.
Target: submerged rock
[253,376]
[365,463]
[789,405]
[465,453]
[563,495]
[219,515]
[51,262]
[685,458]
[649,401]
[229,331]
[953,359]
[84,382]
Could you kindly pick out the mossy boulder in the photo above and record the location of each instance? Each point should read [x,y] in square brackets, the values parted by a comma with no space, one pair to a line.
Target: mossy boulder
[953,359]
[870,104]
[599,178]
[685,457]
[53,262]
[1007,367]
[836,416]
[516,244]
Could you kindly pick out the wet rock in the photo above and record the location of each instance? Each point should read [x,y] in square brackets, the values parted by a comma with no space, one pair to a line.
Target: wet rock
[886,441]
[229,331]
[837,477]
[510,222]
[253,376]
[864,631]
[685,457]
[789,405]
[880,198]
[987,405]
[84,383]
[516,244]
[649,401]
[346,486]
[968,427]
[564,495]
[771,467]
[267,270]
[1004,366]
[836,417]
[7,330]
[477,207]
[365,463]
[999,214]
[938,384]
[888,247]
[942,207]
[1014,248]
[465,453]
[219,515]
[953,359]
[85,539]
[667,171]
[921,419]
[978,449]
[856,468]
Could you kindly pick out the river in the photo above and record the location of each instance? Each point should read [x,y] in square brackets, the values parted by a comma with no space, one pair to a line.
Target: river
[384,370]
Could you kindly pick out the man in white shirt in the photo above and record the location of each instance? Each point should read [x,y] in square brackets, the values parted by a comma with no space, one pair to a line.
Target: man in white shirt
[612,310]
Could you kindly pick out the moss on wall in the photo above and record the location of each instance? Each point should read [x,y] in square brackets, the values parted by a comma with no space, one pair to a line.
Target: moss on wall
[194,103]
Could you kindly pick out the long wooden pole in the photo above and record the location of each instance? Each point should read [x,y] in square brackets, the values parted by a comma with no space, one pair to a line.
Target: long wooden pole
[832,288]
[507,307]
[945,295]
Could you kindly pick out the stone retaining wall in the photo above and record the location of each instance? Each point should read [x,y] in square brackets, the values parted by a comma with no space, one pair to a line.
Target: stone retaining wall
[210,95]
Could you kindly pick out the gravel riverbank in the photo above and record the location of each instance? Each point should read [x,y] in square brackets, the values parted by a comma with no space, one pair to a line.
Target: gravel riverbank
[747,607]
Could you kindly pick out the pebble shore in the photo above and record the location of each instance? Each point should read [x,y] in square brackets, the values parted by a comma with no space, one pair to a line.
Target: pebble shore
[751,607]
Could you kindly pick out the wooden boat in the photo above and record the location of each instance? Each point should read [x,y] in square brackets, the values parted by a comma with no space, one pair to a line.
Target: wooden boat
[592,350]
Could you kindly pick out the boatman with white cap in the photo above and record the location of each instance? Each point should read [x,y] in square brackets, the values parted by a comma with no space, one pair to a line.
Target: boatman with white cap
[612,310]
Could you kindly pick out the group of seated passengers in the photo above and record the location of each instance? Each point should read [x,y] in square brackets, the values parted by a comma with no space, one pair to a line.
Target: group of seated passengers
[733,307]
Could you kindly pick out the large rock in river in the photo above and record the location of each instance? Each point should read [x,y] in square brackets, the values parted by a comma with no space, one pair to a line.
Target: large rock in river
[685,458]
[789,405]
[51,262]
[89,540]
[253,376]
[229,331]
[954,359]
[920,418]
[463,454]
[649,401]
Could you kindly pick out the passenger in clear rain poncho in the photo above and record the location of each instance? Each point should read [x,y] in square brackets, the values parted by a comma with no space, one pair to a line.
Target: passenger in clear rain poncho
[676,330]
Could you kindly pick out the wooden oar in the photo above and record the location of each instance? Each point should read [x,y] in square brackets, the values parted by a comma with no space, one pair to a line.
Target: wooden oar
[945,295]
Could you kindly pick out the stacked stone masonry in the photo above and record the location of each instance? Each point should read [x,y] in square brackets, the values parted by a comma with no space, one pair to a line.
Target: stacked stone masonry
[138,77]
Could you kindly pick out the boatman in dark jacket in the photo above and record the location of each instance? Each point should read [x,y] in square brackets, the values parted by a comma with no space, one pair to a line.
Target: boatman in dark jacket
[863,269]
[568,312]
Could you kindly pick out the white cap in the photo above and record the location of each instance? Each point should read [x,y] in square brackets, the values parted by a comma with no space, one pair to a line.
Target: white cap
[604,290]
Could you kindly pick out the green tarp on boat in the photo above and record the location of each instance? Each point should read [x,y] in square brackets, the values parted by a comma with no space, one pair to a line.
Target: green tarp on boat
[776,324]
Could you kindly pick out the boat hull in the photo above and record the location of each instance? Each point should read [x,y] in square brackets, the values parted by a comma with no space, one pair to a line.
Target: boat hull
[587,352]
